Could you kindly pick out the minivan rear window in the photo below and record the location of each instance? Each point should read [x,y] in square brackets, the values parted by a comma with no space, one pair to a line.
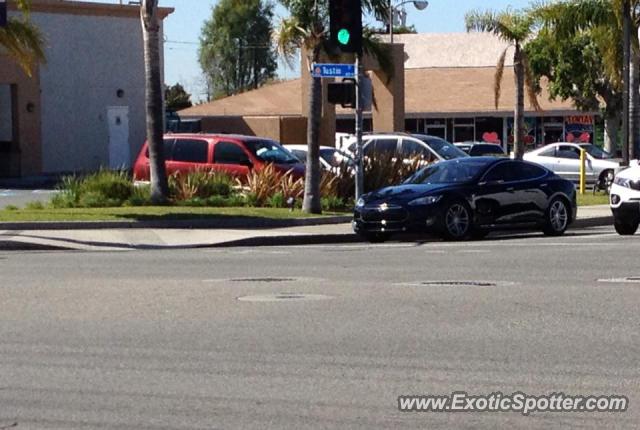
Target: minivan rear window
[191,151]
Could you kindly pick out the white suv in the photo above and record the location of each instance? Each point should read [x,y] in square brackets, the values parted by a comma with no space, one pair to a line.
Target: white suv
[430,148]
[624,199]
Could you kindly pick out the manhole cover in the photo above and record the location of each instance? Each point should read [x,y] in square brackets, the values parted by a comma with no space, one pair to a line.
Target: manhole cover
[458,283]
[284,297]
[266,280]
[627,280]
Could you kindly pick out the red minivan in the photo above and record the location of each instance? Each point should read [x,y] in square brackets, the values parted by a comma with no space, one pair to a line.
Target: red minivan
[234,154]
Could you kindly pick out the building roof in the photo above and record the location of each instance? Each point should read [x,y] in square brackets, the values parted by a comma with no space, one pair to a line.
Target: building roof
[426,50]
[428,92]
[282,98]
[89,8]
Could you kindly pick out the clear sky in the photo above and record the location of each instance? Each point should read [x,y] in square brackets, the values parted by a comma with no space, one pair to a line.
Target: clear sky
[182,31]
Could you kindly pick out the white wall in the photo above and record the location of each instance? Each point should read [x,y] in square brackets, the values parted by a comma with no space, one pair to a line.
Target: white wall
[88,59]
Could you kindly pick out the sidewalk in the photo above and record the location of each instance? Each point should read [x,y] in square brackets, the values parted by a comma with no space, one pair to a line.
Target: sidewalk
[110,239]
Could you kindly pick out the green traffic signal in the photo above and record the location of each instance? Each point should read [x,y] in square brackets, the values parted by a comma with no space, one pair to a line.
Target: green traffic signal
[344,36]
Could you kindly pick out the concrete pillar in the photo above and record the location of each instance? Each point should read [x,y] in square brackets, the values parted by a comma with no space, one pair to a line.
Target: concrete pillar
[388,114]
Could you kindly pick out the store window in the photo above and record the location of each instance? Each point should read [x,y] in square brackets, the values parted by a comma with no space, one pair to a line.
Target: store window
[464,130]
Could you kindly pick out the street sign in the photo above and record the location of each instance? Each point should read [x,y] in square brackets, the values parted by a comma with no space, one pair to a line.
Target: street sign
[320,70]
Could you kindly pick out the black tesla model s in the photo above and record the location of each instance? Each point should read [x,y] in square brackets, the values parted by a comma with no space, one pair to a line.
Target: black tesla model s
[467,197]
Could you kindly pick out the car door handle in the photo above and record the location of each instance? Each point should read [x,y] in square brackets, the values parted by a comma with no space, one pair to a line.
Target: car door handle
[510,188]
[544,185]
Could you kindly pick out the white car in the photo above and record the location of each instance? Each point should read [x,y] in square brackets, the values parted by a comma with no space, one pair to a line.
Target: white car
[331,159]
[624,199]
[429,148]
[563,159]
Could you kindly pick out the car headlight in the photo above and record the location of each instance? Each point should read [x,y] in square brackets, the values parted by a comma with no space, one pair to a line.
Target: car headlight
[360,203]
[623,182]
[424,201]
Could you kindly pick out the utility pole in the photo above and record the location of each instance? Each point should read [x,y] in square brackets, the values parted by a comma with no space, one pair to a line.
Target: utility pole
[359,119]
[626,76]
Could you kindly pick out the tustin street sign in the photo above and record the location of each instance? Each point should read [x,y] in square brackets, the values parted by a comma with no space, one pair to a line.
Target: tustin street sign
[320,70]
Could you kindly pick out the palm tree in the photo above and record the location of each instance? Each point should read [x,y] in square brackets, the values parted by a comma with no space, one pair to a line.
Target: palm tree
[153,100]
[614,16]
[22,40]
[516,28]
[306,29]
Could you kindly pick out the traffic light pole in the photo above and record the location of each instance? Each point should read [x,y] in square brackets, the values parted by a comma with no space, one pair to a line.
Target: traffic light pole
[359,152]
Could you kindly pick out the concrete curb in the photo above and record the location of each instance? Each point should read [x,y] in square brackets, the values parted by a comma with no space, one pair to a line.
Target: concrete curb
[204,223]
[592,222]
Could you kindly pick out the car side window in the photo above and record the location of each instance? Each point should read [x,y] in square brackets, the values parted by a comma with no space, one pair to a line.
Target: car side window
[168,149]
[568,152]
[191,150]
[549,152]
[300,155]
[410,148]
[527,172]
[499,173]
[385,146]
[229,153]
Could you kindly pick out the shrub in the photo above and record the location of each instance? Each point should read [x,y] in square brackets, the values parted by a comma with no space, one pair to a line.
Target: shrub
[277,200]
[34,206]
[332,203]
[11,208]
[101,189]
[202,184]
[266,183]
[141,196]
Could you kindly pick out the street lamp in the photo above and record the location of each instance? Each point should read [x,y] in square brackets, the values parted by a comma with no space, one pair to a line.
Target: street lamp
[418,4]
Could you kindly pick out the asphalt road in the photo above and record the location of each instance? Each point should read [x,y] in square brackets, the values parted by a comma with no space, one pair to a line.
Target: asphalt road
[19,198]
[159,339]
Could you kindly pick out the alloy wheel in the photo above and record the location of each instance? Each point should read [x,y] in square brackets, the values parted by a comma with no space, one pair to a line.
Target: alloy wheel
[457,220]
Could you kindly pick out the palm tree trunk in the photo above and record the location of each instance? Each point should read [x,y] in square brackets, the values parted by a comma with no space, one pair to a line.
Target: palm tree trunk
[153,100]
[634,104]
[611,127]
[518,123]
[311,202]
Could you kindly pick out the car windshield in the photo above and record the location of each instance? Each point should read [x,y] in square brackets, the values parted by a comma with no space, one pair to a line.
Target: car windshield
[452,172]
[443,148]
[335,158]
[596,152]
[271,152]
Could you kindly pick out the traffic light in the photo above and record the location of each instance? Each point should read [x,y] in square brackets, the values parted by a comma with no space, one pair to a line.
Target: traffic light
[345,18]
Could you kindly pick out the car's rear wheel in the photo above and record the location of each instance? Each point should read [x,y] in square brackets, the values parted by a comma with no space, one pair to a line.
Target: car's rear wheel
[457,221]
[556,218]
[626,227]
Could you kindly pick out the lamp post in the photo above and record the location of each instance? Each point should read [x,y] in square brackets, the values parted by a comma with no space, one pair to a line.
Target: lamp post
[418,4]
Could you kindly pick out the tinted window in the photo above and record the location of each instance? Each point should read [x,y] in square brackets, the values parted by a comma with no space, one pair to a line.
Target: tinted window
[596,152]
[301,155]
[568,152]
[335,158]
[455,171]
[502,172]
[486,150]
[514,171]
[411,148]
[192,151]
[229,153]
[526,171]
[382,147]
[168,149]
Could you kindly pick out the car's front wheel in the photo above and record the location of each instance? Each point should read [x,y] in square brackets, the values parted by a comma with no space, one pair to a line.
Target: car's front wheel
[556,218]
[456,221]
[626,227]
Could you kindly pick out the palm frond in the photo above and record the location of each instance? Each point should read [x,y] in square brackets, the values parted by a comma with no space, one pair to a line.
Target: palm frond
[23,42]
[289,37]
[497,84]
[489,22]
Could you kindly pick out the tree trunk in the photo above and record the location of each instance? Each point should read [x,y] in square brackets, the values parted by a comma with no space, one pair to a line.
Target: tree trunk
[153,101]
[311,202]
[518,123]
[634,104]
[611,126]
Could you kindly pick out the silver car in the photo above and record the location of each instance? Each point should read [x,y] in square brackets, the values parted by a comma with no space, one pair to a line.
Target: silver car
[563,158]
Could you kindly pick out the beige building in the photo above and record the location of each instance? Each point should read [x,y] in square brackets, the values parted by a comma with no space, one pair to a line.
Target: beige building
[84,108]
[445,87]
